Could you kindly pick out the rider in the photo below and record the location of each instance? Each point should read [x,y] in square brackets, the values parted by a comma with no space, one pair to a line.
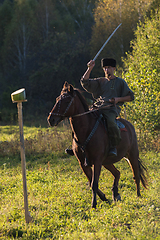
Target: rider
[107,90]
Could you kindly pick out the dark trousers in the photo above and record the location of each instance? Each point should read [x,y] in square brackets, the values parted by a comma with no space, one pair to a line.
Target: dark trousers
[113,130]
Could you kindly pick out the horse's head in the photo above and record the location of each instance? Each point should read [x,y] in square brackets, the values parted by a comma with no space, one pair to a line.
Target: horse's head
[63,107]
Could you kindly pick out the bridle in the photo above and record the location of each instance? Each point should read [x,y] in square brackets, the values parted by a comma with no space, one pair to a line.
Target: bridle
[70,103]
[59,105]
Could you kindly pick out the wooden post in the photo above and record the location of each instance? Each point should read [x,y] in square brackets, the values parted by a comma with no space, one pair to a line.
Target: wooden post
[28,217]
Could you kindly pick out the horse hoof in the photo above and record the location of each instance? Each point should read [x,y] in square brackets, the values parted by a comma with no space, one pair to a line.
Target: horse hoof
[107,200]
[93,207]
[104,198]
[117,198]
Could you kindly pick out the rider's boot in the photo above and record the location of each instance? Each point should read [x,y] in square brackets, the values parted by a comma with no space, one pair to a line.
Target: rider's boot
[112,152]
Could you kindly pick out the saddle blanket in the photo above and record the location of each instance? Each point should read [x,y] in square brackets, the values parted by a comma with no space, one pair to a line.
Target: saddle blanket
[121,126]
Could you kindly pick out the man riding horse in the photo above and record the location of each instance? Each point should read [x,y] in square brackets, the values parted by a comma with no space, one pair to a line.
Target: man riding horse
[107,90]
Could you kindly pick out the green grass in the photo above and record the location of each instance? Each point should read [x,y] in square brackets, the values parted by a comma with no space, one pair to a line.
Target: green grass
[59,196]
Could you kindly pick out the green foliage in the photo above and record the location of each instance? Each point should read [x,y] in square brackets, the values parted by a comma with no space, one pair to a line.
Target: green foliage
[5,19]
[108,15]
[153,8]
[59,197]
[19,37]
[142,74]
[42,44]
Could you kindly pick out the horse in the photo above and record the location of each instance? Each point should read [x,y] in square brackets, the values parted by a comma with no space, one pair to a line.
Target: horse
[90,141]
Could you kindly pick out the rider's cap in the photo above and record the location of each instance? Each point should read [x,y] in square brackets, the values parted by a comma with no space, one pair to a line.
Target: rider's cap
[108,62]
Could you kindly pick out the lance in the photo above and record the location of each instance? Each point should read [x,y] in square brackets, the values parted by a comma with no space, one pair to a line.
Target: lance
[106,43]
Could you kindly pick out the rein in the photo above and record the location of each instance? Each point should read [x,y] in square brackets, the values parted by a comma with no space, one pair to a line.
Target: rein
[77,115]
[90,111]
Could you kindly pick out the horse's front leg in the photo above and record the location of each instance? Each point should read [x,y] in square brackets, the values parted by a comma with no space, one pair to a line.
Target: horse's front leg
[95,178]
[89,173]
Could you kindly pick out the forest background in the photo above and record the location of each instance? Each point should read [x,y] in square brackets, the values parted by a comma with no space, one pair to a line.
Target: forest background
[46,42]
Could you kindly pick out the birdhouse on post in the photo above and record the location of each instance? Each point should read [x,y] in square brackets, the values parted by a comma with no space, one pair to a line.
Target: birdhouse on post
[18,97]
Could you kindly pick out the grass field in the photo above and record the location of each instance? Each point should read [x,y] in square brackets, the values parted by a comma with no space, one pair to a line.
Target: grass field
[59,196]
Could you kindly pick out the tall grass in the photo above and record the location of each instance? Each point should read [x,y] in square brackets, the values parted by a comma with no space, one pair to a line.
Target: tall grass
[37,140]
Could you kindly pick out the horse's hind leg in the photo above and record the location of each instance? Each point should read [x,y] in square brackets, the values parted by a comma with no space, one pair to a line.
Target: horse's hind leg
[115,195]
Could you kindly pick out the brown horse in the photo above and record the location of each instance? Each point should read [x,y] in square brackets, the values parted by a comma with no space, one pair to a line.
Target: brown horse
[90,140]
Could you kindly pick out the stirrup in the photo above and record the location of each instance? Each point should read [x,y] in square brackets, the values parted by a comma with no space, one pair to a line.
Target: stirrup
[69,151]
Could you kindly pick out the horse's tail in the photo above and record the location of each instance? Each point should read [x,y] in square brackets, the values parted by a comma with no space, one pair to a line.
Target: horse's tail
[143,172]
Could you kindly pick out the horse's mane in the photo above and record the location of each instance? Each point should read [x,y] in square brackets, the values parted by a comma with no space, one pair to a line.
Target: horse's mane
[82,99]
[78,93]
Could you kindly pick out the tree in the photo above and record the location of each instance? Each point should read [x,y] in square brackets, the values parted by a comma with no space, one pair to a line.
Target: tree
[64,51]
[47,18]
[45,43]
[19,37]
[81,12]
[143,73]
[5,20]
[108,15]
[154,6]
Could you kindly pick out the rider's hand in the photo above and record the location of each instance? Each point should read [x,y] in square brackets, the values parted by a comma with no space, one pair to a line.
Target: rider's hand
[114,100]
[91,64]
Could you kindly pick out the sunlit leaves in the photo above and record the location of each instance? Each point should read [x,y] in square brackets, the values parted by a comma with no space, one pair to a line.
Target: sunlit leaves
[143,74]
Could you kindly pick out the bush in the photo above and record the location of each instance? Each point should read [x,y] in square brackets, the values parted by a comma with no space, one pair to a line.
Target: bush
[142,74]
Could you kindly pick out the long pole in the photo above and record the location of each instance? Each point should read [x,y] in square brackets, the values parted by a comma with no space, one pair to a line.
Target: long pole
[106,42]
[28,218]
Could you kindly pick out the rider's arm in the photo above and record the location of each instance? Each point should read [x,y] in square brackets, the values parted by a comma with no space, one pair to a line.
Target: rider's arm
[91,85]
[90,65]
[121,99]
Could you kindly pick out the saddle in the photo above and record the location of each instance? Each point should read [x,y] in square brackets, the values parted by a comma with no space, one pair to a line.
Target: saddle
[121,126]
[117,121]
